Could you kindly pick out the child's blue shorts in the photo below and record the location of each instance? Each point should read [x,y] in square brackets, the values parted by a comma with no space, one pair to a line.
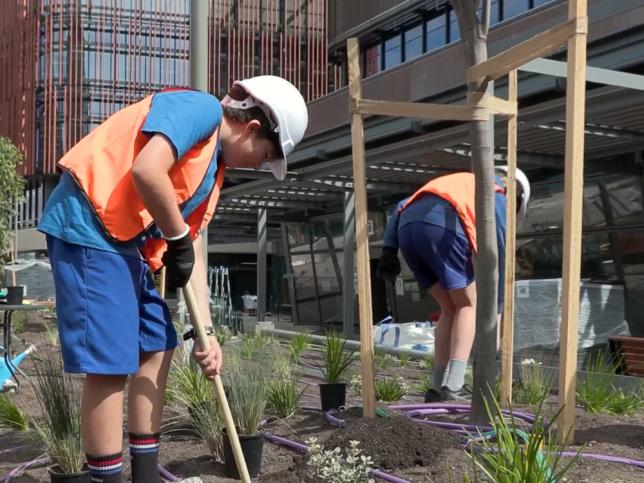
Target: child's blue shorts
[436,254]
[108,309]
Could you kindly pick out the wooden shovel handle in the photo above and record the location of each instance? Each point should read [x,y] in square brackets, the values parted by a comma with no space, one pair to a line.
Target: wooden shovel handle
[197,324]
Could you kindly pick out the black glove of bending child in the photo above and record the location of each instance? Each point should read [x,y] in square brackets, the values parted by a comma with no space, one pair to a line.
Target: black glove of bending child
[179,259]
[389,265]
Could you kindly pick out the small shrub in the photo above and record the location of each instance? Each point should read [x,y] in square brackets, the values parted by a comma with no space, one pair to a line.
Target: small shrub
[514,455]
[334,467]
[284,397]
[390,389]
[427,362]
[535,385]
[382,360]
[11,416]
[298,346]
[596,393]
[355,384]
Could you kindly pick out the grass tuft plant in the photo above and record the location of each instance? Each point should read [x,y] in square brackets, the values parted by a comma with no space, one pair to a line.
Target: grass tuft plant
[596,392]
[337,359]
[11,416]
[382,359]
[58,397]
[208,422]
[390,389]
[298,346]
[248,382]
[404,359]
[535,384]
[509,454]
[187,384]
[253,344]
[425,384]
[284,397]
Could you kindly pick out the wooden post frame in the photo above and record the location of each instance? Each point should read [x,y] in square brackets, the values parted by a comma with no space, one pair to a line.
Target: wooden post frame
[362,237]
[510,247]
[538,46]
[573,202]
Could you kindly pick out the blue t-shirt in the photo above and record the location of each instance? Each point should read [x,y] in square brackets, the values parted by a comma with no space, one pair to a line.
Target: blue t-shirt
[185,118]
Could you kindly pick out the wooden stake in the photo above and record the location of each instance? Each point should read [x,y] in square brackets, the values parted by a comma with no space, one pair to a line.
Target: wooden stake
[162,283]
[202,337]
[420,110]
[538,46]
[362,238]
[573,203]
[510,247]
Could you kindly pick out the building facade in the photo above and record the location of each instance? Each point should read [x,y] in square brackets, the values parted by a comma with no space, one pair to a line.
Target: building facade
[410,52]
[66,65]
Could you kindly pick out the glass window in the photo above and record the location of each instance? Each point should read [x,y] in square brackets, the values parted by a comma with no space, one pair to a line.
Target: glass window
[454,32]
[495,12]
[393,51]
[413,42]
[512,8]
[372,60]
[537,3]
[436,33]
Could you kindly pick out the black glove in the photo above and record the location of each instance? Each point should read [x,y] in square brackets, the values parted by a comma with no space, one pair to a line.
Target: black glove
[179,259]
[389,265]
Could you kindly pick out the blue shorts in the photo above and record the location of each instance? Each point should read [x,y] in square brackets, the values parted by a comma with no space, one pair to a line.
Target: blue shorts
[108,309]
[436,254]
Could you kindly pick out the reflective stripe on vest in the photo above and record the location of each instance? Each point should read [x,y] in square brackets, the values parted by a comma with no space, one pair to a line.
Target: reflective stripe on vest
[458,190]
[101,165]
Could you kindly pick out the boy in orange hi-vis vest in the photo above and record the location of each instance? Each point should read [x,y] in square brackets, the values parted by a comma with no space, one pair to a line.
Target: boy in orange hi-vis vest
[435,229]
[133,197]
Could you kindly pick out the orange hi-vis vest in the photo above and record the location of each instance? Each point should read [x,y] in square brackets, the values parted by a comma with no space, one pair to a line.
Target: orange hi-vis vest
[101,165]
[458,190]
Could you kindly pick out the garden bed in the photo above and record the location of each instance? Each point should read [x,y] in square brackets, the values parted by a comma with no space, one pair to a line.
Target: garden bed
[401,447]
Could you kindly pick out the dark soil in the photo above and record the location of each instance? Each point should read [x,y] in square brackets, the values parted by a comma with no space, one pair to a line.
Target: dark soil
[406,443]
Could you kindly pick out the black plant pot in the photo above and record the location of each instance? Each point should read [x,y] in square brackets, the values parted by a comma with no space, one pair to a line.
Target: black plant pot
[14,295]
[55,476]
[252,447]
[333,396]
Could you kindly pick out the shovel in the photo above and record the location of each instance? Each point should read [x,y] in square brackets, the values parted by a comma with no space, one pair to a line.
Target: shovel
[197,324]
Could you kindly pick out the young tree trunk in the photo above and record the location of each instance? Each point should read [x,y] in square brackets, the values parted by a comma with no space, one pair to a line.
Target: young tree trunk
[474,39]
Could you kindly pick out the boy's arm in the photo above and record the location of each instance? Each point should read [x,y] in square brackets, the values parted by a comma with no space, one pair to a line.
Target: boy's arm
[150,175]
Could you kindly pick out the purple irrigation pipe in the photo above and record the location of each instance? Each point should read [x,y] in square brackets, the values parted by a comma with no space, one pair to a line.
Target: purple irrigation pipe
[15,448]
[22,467]
[302,448]
[607,458]
[431,408]
[461,428]
[333,420]
[167,475]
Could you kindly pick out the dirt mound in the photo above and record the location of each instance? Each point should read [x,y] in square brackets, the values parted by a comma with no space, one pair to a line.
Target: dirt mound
[395,442]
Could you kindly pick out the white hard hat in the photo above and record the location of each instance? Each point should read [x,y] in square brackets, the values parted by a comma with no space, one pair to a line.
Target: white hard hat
[522,179]
[284,107]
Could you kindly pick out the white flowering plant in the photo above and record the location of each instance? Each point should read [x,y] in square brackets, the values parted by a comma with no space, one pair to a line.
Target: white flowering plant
[334,467]
[535,385]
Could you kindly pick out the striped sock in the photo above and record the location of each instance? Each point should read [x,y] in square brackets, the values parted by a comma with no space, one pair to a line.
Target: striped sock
[105,469]
[144,453]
